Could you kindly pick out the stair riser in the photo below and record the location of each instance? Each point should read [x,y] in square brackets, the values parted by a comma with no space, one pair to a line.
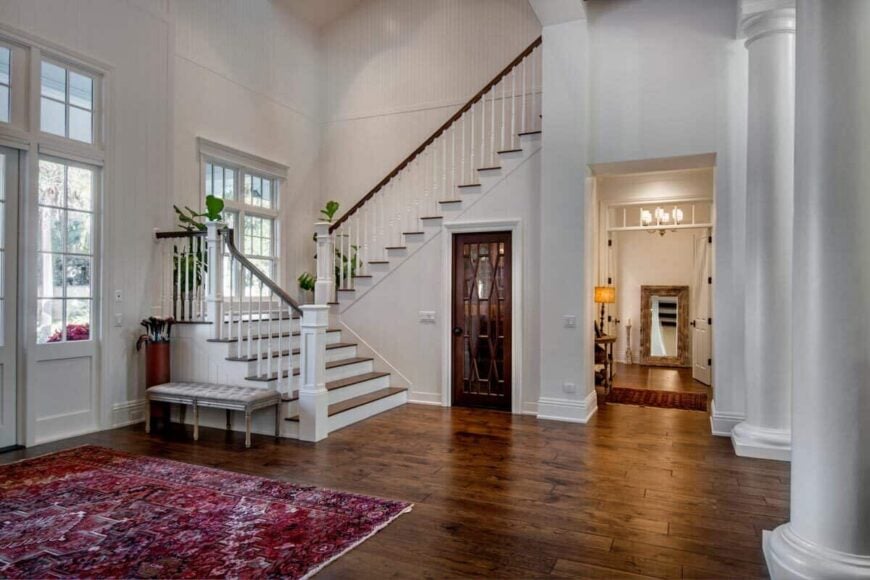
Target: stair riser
[240,348]
[363,412]
[234,375]
[363,388]
[331,355]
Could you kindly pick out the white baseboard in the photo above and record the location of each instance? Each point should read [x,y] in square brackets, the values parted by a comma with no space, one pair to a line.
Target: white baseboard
[721,424]
[529,408]
[761,443]
[568,410]
[419,398]
[128,413]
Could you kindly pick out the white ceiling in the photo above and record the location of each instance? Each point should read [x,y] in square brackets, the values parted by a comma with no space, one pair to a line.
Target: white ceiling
[683,162]
[320,12]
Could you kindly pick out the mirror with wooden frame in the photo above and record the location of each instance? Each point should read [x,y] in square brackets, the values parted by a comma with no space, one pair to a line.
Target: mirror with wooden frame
[664,326]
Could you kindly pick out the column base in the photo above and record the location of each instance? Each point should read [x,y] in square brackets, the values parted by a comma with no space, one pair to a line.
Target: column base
[790,557]
[761,443]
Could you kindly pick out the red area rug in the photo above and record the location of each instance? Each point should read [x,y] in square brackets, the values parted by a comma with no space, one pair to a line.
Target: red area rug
[95,512]
[664,399]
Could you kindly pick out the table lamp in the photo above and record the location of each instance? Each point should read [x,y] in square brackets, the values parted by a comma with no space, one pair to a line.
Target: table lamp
[604,295]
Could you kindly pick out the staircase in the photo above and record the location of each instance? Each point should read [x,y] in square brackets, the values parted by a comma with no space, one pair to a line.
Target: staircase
[236,326]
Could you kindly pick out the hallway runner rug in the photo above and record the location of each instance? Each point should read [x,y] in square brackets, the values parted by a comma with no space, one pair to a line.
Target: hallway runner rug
[663,399]
[98,513]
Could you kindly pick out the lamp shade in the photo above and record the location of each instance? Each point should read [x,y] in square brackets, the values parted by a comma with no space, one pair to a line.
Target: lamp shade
[605,295]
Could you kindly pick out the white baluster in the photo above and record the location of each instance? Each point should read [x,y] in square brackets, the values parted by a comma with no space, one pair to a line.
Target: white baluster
[269,332]
[250,322]
[524,98]
[443,192]
[472,166]
[240,292]
[260,343]
[493,161]
[475,177]
[513,106]
[503,110]
[452,181]
[534,90]
[461,157]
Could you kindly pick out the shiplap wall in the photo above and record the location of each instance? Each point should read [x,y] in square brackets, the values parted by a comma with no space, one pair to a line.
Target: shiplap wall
[397,69]
[248,75]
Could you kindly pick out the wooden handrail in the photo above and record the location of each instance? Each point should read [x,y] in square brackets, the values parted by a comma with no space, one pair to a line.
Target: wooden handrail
[268,282]
[437,133]
[243,260]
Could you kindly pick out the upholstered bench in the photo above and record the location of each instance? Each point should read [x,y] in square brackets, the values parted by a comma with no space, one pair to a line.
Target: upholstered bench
[229,397]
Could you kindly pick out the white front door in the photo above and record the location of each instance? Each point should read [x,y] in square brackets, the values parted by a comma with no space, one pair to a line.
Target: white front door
[9,191]
[701,340]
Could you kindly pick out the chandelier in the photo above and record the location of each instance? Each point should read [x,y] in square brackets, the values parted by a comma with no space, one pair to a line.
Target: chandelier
[660,219]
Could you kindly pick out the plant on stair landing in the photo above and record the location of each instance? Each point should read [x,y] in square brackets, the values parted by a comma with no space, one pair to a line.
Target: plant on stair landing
[191,264]
[307,280]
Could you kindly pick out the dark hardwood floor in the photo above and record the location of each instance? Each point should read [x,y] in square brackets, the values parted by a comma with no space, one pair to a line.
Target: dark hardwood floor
[636,492]
[657,378]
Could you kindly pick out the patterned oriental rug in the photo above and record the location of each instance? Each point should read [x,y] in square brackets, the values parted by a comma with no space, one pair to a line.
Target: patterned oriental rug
[664,399]
[98,513]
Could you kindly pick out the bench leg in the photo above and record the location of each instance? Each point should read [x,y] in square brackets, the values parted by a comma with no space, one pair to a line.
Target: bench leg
[195,422]
[247,429]
[229,420]
[147,416]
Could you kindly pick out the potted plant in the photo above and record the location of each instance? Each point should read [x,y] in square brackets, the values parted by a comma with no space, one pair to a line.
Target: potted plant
[307,280]
[190,263]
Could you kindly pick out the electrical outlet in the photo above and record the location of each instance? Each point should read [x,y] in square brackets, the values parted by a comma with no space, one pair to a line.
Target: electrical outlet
[569,387]
[119,319]
[119,296]
[570,321]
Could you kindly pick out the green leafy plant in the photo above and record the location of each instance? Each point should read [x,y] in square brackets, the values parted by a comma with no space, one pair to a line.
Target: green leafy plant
[329,210]
[190,220]
[346,265]
[306,281]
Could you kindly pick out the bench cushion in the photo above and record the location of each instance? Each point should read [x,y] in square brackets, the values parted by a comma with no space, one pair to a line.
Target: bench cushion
[210,392]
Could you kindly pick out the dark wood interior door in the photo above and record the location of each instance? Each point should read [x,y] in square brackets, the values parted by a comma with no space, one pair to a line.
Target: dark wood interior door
[482,320]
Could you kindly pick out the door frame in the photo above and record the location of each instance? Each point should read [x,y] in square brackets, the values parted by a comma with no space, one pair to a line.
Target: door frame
[513,226]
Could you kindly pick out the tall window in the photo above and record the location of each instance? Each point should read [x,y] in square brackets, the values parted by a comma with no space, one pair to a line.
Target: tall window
[65,262]
[5,83]
[250,208]
[66,102]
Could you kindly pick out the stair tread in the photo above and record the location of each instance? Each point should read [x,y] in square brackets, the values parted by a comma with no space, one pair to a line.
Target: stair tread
[491,168]
[262,336]
[464,185]
[347,289]
[285,352]
[396,248]
[354,402]
[329,365]
[362,276]
[433,217]
[530,133]
[379,261]
[502,152]
[446,201]
[413,233]
[341,383]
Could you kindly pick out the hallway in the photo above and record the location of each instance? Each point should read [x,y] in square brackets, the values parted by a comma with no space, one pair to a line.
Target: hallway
[657,378]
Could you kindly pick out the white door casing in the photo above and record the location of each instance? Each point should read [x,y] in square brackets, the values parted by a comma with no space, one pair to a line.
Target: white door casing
[701,343]
[9,192]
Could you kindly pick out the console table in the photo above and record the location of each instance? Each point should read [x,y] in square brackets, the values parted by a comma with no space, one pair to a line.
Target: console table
[604,356]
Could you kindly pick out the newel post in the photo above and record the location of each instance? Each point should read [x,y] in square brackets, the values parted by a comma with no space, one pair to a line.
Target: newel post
[324,287]
[313,396]
[215,289]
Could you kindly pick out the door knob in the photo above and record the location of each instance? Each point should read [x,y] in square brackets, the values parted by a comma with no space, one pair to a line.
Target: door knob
[457,331]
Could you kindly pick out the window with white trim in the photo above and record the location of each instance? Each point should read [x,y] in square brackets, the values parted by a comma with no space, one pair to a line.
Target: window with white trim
[5,84]
[250,209]
[65,259]
[66,102]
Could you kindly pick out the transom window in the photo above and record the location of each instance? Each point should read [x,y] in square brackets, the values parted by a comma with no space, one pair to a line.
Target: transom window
[250,209]
[5,83]
[65,260]
[66,102]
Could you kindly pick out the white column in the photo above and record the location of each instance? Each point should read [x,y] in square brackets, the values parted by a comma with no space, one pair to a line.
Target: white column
[828,536]
[313,396]
[324,287]
[215,297]
[766,432]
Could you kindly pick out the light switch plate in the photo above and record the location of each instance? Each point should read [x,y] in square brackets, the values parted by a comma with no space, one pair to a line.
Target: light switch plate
[119,319]
[427,316]
[569,387]
[570,321]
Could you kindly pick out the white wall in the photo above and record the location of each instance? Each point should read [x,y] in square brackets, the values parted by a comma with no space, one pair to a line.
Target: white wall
[248,75]
[397,69]
[648,260]
[668,78]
